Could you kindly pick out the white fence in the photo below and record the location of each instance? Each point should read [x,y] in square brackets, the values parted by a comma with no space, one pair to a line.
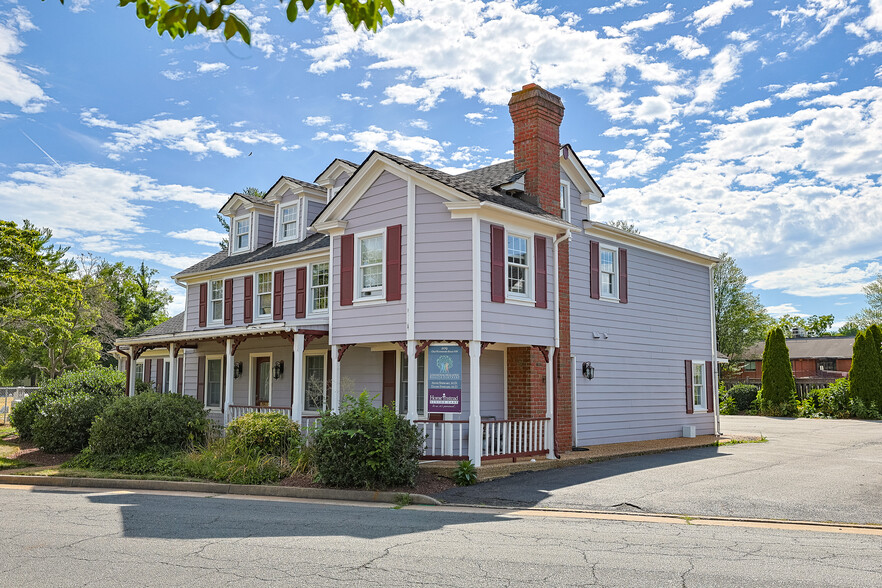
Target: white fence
[499,439]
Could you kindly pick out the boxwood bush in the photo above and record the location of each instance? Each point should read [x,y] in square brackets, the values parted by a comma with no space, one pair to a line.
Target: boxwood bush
[148,421]
[743,395]
[365,446]
[270,433]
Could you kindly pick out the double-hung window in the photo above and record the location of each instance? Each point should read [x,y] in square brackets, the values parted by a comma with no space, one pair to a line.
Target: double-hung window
[213,380]
[241,234]
[264,294]
[698,384]
[609,273]
[421,384]
[288,217]
[518,266]
[217,300]
[139,371]
[318,288]
[565,200]
[370,266]
[316,384]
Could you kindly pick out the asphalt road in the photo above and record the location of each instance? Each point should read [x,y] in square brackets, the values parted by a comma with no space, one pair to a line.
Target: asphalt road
[812,470]
[53,537]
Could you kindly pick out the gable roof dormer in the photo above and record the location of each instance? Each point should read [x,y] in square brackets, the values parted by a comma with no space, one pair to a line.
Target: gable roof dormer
[286,186]
[339,167]
[238,202]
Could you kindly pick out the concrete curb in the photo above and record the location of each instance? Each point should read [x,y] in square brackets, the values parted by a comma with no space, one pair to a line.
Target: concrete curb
[214,488]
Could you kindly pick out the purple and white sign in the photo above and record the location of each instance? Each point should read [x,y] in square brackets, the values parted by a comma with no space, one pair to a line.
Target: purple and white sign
[445,378]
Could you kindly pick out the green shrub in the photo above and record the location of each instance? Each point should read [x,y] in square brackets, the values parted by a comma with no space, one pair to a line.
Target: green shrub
[778,384]
[270,433]
[64,422]
[743,396]
[148,421]
[865,376]
[153,461]
[97,381]
[727,404]
[832,402]
[465,473]
[861,410]
[224,460]
[141,387]
[366,447]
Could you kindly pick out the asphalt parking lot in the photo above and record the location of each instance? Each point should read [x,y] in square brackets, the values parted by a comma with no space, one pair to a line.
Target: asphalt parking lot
[812,470]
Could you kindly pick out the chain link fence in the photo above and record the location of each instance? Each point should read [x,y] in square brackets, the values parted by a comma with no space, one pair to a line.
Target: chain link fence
[8,398]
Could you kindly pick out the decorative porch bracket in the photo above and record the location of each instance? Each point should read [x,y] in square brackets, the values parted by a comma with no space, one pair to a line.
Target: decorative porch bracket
[543,351]
[341,349]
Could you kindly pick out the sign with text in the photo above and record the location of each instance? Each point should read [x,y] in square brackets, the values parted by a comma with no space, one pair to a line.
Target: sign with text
[445,378]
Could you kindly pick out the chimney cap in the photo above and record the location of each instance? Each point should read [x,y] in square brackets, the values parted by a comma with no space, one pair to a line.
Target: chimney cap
[536,95]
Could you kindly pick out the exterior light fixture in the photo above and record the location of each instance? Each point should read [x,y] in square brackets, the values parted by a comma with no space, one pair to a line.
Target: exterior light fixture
[588,370]
[278,369]
[237,370]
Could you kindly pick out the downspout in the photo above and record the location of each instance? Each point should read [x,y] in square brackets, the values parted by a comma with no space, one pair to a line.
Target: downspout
[128,368]
[555,358]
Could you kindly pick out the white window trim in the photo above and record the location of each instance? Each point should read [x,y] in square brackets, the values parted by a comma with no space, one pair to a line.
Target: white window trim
[219,407]
[211,319]
[568,200]
[233,238]
[143,367]
[529,298]
[703,395]
[255,297]
[398,361]
[280,238]
[252,376]
[316,352]
[356,274]
[309,289]
[614,297]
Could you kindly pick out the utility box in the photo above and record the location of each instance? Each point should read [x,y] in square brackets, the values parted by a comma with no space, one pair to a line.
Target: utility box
[689,431]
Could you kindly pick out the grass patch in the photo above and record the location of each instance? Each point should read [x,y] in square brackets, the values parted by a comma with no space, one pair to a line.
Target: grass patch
[8,448]
[740,441]
[78,473]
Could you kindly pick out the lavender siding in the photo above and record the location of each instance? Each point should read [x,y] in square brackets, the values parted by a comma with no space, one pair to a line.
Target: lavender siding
[515,323]
[442,272]
[313,208]
[281,388]
[360,370]
[190,372]
[382,205]
[578,211]
[264,232]
[341,179]
[290,297]
[639,390]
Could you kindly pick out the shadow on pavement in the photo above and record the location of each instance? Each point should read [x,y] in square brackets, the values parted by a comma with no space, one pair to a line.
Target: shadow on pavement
[525,489]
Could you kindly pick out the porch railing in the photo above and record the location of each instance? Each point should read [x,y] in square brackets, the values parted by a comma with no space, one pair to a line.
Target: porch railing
[237,410]
[499,439]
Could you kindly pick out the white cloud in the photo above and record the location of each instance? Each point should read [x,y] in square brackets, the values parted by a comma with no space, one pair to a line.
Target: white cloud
[172,260]
[620,132]
[687,47]
[200,236]
[17,87]
[174,75]
[212,68]
[316,121]
[196,135]
[713,14]
[803,89]
[648,22]
[478,118]
[615,6]
[725,65]
[419,123]
[743,112]
[782,309]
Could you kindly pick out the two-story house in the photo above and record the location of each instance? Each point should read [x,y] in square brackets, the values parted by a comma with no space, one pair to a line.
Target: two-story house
[561,331]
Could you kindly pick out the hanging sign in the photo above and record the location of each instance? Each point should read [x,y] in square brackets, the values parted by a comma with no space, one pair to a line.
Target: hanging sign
[445,378]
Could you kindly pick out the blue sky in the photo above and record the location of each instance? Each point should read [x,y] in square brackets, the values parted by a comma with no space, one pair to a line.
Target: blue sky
[723,125]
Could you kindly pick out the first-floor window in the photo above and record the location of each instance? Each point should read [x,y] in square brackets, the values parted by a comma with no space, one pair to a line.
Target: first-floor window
[421,384]
[749,366]
[264,294]
[609,283]
[318,288]
[698,384]
[213,374]
[315,385]
[139,371]
[166,374]
[518,266]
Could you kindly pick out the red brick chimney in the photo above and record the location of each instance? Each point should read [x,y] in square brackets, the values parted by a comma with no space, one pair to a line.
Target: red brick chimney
[537,114]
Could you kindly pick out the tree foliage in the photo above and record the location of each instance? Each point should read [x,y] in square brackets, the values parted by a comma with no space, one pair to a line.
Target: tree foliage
[779,386]
[179,19]
[865,376]
[741,319]
[872,314]
[814,326]
[625,226]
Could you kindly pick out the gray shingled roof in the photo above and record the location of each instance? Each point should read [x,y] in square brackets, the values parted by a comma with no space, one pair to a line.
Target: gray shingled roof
[303,183]
[492,175]
[173,325]
[221,260]
[808,348]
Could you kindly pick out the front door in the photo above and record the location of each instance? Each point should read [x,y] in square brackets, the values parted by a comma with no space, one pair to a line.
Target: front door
[262,381]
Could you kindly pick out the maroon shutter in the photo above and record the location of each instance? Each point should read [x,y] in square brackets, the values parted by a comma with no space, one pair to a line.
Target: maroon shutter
[497,263]
[541,272]
[160,383]
[278,295]
[711,391]
[200,379]
[248,300]
[228,302]
[180,383]
[148,367]
[623,276]
[203,304]
[388,378]
[594,252]
[689,405]
[347,271]
[300,302]
[393,262]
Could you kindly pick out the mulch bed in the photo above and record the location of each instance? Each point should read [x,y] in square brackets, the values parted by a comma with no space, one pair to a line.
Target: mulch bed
[426,483]
[30,453]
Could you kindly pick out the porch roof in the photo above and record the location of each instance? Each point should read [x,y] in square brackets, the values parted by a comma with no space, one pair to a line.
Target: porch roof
[162,334]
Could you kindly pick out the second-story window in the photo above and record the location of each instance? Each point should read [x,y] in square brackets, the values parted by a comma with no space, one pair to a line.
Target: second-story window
[241,233]
[318,288]
[288,222]
[370,267]
[217,300]
[565,201]
[609,283]
[264,294]
[518,266]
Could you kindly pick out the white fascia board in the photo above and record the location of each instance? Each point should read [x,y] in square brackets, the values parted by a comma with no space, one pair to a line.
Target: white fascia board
[503,215]
[281,187]
[332,172]
[236,200]
[266,329]
[275,263]
[333,227]
[589,192]
[603,231]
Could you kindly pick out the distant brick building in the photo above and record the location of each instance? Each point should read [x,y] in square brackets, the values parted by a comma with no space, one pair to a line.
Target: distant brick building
[811,357]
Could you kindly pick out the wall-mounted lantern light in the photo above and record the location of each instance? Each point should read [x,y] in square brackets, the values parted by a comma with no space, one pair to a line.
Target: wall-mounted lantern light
[278,369]
[237,370]
[588,370]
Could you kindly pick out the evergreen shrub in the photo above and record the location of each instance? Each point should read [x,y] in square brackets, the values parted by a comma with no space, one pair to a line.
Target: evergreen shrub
[778,394]
[865,376]
[270,433]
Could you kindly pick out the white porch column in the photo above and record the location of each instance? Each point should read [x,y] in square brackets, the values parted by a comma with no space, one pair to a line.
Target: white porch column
[475,431]
[411,381]
[549,403]
[335,379]
[172,369]
[297,374]
[228,392]
[132,376]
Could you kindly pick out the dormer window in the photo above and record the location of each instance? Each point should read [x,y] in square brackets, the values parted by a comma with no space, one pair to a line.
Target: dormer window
[241,234]
[288,225]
